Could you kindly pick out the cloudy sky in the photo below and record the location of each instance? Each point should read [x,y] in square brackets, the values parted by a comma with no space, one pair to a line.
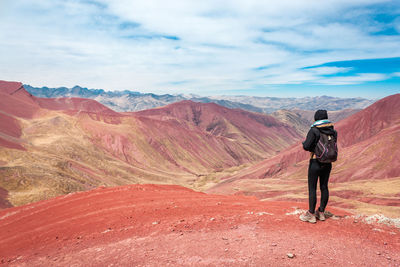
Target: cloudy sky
[296,48]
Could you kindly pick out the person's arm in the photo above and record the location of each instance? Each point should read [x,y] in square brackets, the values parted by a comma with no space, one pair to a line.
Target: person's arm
[309,143]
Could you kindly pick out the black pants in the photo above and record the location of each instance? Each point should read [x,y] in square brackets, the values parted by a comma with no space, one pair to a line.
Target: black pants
[315,170]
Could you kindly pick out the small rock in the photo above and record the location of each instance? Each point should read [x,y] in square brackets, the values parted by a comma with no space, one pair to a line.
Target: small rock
[290,255]
[274,245]
[226,250]
[212,219]
[378,253]
[329,214]
[105,231]
[224,238]
[264,213]
[388,257]
[385,243]
[154,223]
[355,221]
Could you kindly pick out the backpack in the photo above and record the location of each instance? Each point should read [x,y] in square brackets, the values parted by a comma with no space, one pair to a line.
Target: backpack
[326,149]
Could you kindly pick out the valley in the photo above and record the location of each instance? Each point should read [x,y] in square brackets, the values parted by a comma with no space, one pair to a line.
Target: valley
[63,145]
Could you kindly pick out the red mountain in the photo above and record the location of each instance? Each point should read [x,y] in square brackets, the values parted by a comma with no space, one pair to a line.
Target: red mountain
[16,102]
[381,115]
[369,151]
[262,134]
[50,147]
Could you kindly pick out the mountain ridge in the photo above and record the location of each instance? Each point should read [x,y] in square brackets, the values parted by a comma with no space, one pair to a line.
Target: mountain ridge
[125,101]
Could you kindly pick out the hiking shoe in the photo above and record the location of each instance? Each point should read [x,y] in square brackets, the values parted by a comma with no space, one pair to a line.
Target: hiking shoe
[308,217]
[320,215]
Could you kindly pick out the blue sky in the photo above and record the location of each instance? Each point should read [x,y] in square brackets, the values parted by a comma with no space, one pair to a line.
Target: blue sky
[211,47]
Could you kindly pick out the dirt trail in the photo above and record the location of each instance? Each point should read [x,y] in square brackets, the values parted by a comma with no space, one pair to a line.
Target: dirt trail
[156,225]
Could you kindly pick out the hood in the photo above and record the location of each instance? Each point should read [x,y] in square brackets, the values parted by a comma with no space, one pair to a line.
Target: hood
[321,114]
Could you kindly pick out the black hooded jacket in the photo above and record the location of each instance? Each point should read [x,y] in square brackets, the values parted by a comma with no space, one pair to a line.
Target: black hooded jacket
[314,134]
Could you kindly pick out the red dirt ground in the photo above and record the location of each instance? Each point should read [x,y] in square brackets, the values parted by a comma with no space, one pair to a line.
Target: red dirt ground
[160,225]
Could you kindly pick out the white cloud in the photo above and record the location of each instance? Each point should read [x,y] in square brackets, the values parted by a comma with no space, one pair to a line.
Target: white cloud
[221,44]
[357,79]
[328,70]
[396,74]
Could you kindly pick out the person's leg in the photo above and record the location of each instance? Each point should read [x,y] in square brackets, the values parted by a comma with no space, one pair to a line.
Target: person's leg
[313,172]
[323,185]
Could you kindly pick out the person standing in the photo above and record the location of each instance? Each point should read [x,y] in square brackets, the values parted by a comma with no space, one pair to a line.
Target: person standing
[321,138]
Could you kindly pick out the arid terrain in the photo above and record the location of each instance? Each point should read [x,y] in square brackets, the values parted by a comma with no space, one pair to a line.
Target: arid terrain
[54,146]
[160,225]
[192,184]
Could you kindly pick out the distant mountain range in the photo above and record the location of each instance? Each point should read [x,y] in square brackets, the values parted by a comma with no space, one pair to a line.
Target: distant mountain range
[122,101]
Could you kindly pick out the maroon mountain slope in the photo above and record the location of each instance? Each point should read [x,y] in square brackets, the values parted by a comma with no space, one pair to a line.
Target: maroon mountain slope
[370,121]
[75,104]
[14,102]
[260,133]
[195,137]
[235,124]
